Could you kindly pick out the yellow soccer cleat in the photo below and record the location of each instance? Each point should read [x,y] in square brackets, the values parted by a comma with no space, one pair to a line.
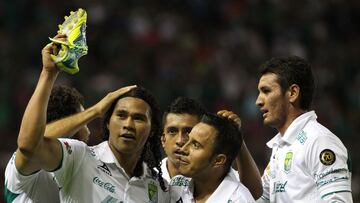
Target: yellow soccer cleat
[74,27]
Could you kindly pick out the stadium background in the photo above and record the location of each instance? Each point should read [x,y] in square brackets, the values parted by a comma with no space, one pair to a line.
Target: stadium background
[208,50]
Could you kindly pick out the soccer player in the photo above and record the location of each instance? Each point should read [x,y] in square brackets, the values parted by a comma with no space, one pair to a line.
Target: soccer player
[308,162]
[206,158]
[39,186]
[113,171]
[178,120]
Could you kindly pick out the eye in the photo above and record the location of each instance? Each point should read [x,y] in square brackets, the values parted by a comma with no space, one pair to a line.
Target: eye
[187,130]
[172,131]
[265,90]
[121,115]
[139,117]
[195,145]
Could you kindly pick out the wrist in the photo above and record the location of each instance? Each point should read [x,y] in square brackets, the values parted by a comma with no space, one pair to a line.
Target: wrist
[49,73]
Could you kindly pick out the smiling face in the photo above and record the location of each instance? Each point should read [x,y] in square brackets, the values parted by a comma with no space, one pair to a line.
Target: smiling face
[198,159]
[176,133]
[129,126]
[272,102]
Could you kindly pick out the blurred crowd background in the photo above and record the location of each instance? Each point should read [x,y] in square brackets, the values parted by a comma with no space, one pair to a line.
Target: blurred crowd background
[209,50]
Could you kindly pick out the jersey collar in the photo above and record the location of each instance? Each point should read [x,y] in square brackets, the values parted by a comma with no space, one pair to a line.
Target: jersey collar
[224,191]
[293,130]
[105,155]
[164,170]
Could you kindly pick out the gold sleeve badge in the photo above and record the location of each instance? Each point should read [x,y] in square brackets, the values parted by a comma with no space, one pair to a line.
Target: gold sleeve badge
[327,157]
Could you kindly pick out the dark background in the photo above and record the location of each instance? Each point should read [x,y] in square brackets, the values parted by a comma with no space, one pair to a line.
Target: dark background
[209,50]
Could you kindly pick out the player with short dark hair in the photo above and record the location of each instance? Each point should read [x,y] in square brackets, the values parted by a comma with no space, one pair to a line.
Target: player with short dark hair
[207,157]
[308,162]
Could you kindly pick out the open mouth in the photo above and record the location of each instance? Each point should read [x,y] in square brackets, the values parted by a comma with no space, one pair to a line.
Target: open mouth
[128,136]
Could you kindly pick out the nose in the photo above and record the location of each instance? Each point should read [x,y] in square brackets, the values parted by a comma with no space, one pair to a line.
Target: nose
[129,124]
[184,149]
[259,101]
[182,138]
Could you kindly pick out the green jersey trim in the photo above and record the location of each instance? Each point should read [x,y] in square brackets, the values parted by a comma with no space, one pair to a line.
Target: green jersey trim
[330,193]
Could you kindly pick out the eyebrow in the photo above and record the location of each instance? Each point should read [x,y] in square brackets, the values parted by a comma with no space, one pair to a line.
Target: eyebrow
[141,115]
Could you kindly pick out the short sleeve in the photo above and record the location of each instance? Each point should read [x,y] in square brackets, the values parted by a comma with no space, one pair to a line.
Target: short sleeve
[14,181]
[73,155]
[327,161]
[39,186]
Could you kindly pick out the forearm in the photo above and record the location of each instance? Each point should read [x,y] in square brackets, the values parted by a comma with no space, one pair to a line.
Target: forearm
[34,118]
[70,125]
[249,172]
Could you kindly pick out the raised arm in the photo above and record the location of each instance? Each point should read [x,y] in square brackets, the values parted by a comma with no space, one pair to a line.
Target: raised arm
[34,152]
[70,125]
[248,171]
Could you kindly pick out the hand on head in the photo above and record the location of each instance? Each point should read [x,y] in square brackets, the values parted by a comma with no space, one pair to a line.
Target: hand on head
[231,116]
[103,105]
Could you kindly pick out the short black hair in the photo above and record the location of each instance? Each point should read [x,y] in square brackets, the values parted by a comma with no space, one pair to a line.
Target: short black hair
[64,101]
[292,70]
[228,140]
[182,105]
[151,153]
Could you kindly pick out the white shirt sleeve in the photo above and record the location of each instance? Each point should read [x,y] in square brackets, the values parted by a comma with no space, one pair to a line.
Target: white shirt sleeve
[74,152]
[14,181]
[328,163]
[265,197]
[36,187]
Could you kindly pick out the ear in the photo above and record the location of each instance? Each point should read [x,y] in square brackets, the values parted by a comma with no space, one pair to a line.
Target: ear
[294,93]
[163,139]
[220,160]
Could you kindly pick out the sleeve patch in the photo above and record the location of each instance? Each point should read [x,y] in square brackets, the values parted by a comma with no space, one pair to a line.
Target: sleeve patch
[327,157]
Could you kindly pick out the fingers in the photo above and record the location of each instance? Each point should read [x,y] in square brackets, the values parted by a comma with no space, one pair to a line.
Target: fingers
[231,116]
[48,48]
[59,39]
[60,36]
[123,90]
[105,103]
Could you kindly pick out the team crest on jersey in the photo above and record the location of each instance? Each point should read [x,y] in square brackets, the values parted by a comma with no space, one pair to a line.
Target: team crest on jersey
[327,157]
[288,161]
[152,192]
[68,147]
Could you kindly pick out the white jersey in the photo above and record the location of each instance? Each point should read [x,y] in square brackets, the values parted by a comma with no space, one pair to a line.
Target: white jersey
[166,175]
[164,170]
[93,174]
[230,190]
[38,187]
[308,164]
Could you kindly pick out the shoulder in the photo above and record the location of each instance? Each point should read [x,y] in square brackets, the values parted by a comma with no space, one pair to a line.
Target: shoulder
[244,193]
[320,136]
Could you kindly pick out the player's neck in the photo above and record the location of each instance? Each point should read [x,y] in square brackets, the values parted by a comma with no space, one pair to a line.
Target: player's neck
[127,161]
[204,187]
[172,168]
[291,116]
